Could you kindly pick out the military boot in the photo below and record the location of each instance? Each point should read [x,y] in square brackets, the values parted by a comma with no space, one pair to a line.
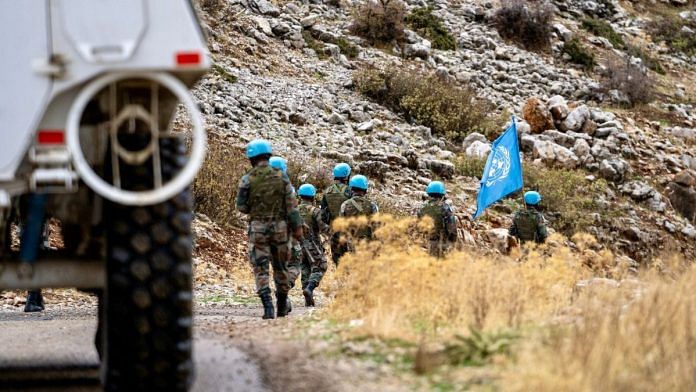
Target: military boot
[282,303]
[309,294]
[35,302]
[267,301]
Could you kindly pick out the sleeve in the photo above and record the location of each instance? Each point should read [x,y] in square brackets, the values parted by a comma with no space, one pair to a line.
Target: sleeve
[542,233]
[325,216]
[375,208]
[343,209]
[512,231]
[292,213]
[242,201]
[450,222]
[319,222]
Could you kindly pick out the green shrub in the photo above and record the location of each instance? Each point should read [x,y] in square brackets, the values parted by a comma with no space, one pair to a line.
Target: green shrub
[630,79]
[449,110]
[379,21]
[651,62]
[430,26]
[526,22]
[569,199]
[578,54]
[670,29]
[313,44]
[351,51]
[224,74]
[601,28]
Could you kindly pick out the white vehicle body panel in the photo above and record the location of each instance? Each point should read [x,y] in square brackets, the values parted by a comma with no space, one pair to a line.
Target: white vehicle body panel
[24,42]
[89,38]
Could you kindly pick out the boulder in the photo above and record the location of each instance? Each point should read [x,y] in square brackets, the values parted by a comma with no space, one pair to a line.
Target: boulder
[418,50]
[551,153]
[443,169]
[472,137]
[478,149]
[576,119]
[264,7]
[537,115]
[563,32]
[614,169]
[500,239]
[683,200]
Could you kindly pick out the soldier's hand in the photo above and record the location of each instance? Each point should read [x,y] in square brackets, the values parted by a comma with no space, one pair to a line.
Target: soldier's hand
[297,233]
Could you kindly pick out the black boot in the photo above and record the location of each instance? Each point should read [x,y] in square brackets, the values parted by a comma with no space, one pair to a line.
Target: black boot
[35,302]
[282,303]
[267,301]
[309,294]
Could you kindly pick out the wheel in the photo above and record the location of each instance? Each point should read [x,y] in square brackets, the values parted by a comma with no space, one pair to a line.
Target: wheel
[146,315]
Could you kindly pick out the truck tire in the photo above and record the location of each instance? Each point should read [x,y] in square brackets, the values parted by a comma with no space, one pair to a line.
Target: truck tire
[146,310]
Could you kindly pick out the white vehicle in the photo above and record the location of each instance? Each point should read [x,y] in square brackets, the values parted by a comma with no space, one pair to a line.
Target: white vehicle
[89,93]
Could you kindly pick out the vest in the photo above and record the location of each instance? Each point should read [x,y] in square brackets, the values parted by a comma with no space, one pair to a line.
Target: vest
[435,210]
[527,223]
[335,196]
[267,194]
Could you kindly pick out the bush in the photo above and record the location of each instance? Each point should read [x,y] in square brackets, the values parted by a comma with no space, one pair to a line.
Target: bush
[310,170]
[631,80]
[449,110]
[430,26]
[351,51]
[214,193]
[578,54]
[601,28]
[379,21]
[651,62]
[671,31]
[526,22]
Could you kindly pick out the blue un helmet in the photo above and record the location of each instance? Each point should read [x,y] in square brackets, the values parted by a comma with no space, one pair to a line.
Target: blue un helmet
[532,198]
[279,163]
[307,190]
[358,182]
[258,147]
[342,170]
[436,188]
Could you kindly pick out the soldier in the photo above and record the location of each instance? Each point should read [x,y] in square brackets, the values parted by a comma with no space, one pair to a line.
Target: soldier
[331,202]
[444,233]
[266,195]
[359,205]
[294,264]
[529,224]
[313,258]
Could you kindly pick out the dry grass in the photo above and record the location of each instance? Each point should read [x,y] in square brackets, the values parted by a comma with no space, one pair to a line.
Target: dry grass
[401,292]
[632,333]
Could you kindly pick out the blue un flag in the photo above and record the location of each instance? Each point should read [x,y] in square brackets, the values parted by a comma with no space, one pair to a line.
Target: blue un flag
[503,173]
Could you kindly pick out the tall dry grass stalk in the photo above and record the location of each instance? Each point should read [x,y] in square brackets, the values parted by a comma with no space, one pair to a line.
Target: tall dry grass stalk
[399,291]
[636,338]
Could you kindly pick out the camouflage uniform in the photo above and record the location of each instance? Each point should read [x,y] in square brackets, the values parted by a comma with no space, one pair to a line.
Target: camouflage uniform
[313,259]
[444,234]
[360,206]
[331,202]
[267,196]
[529,225]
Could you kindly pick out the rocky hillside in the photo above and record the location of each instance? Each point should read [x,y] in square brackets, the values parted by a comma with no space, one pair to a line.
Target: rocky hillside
[616,157]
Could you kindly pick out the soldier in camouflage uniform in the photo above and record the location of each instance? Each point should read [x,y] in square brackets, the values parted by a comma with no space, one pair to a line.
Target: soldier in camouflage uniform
[359,205]
[444,234]
[313,259]
[529,224]
[331,202]
[266,195]
[294,265]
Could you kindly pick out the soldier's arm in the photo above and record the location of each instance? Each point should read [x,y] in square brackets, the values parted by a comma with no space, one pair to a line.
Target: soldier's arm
[343,209]
[319,222]
[512,231]
[325,216]
[292,213]
[542,233]
[242,201]
[450,222]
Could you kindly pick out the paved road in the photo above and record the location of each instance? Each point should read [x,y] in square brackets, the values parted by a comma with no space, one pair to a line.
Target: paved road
[54,351]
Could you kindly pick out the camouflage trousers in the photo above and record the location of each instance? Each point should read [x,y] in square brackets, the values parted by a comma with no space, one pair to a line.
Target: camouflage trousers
[269,245]
[295,264]
[314,263]
[338,249]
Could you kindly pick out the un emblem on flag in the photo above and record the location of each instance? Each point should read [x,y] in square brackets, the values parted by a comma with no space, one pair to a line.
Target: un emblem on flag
[500,166]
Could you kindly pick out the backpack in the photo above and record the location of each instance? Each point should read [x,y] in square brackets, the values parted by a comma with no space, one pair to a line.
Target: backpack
[335,196]
[435,211]
[267,189]
[359,206]
[307,214]
[526,223]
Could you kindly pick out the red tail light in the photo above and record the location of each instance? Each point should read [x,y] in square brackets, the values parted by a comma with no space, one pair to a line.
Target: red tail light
[188,58]
[51,136]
